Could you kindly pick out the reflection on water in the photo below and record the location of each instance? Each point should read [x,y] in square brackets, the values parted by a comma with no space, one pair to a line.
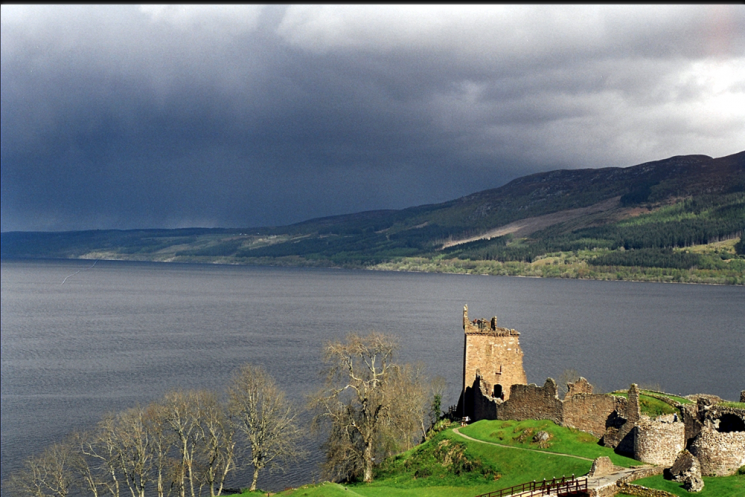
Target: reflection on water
[80,340]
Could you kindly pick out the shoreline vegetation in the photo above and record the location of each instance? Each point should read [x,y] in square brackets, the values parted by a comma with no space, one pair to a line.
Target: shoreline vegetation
[566,265]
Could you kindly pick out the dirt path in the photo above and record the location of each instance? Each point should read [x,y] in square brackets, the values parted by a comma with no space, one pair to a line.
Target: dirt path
[457,432]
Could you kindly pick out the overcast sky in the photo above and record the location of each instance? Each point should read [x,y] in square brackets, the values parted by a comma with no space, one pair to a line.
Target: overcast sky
[240,116]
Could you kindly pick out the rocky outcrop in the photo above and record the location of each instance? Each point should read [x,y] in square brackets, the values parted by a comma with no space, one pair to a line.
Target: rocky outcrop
[602,466]
[541,436]
[693,483]
[685,465]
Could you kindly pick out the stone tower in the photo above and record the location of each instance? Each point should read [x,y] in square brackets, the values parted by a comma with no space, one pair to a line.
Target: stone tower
[493,355]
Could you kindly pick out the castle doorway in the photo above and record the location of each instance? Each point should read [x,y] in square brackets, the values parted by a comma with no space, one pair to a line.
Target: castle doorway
[497,391]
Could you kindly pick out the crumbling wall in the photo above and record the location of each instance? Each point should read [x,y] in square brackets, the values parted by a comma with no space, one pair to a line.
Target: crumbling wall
[658,441]
[720,454]
[693,424]
[640,491]
[533,402]
[578,387]
[588,412]
[583,411]
[619,432]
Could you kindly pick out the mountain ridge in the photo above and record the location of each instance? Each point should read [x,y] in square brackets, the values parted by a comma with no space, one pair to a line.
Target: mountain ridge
[657,206]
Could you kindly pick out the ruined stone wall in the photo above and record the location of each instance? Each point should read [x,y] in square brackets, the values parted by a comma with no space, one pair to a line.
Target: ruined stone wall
[624,485]
[578,387]
[693,424]
[719,411]
[639,491]
[618,432]
[643,472]
[588,412]
[658,441]
[492,352]
[533,402]
[720,454]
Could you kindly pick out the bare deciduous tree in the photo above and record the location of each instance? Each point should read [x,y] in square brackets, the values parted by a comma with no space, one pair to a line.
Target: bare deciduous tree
[181,444]
[162,441]
[216,453]
[181,416]
[261,412]
[408,414]
[85,467]
[48,474]
[99,452]
[365,396]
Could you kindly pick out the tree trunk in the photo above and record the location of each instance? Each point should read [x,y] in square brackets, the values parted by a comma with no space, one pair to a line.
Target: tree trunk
[256,477]
[368,460]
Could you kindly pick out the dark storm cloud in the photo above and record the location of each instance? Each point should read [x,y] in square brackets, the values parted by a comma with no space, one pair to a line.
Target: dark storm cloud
[125,116]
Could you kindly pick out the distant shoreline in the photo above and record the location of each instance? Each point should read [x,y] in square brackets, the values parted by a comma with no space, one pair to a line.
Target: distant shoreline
[453,266]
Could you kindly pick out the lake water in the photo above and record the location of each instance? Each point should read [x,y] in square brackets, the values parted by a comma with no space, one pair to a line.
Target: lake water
[80,340]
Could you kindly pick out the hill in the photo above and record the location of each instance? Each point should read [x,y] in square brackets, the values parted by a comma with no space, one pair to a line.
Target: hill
[491,455]
[677,219]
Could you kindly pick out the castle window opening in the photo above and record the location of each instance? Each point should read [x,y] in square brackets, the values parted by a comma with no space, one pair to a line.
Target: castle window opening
[497,391]
[729,423]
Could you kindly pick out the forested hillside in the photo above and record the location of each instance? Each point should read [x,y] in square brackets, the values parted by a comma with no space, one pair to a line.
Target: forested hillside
[678,219]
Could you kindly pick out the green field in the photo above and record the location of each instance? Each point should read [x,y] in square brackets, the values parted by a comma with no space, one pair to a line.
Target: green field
[729,486]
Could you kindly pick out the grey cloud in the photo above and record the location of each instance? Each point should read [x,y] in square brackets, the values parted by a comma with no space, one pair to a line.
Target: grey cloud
[119,116]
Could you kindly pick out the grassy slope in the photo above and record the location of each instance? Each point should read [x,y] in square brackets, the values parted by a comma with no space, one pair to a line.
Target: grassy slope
[563,440]
[450,465]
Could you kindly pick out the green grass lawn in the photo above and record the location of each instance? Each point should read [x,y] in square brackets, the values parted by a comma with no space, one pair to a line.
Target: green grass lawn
[723,486]
[563,440]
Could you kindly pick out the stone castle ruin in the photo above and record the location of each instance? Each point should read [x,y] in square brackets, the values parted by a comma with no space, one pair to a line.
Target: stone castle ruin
[492,357]
[495,387]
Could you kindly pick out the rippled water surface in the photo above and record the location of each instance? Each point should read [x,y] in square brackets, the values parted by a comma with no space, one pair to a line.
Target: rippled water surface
[80,340]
